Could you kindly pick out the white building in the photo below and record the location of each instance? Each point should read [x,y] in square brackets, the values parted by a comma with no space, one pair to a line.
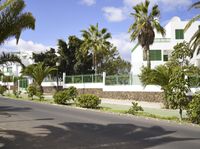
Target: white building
[14,69]
[163,46]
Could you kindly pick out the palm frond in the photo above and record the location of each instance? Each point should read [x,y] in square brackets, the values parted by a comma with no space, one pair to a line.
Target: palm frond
[191,22]
[13,21]
[195,5]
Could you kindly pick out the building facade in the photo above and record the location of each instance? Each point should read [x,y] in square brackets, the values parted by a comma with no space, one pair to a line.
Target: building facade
[163,46]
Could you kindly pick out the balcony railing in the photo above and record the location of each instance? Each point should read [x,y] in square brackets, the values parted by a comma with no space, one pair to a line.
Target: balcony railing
[162,40]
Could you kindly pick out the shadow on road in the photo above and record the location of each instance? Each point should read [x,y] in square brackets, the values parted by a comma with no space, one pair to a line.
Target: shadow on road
[89,136]
[5,110]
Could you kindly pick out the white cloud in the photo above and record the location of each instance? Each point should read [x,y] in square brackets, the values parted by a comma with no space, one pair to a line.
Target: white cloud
[88,2]
[117,14]
[123,44]
[24,46]
[114,14]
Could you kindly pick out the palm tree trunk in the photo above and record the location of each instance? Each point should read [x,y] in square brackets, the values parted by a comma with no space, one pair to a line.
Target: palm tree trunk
[144,55]
[95,63]
[147,51]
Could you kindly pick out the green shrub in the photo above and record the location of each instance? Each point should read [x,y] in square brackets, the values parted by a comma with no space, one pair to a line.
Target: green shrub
[72,92]
[135,108]
[16,93]
[32,91]
[2,89]
[88,101]
[62,97]
[193,111]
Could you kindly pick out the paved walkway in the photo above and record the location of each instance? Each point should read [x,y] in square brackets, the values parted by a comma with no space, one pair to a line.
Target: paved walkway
[154,105]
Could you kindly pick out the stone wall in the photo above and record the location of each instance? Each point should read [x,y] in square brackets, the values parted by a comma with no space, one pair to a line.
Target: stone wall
[51,89]
[138,96]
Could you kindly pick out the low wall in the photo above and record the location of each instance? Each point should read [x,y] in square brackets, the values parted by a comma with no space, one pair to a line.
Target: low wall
[51,89]
[138,96]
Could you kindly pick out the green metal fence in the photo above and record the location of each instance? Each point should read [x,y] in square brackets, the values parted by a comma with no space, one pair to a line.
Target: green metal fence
[6,78]
[118,80]
[84,79]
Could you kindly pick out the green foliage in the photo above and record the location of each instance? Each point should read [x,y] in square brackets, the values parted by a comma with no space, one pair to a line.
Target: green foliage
[195,39]
[72,59]
[179,88]
[38,72]
[62,97]
[13,21]
[8,57]
[112,63]
[193,110]
[16,93]
[31,90]
[95,41]
[135,108]
[49,58]
[182,52]
[72,92]
[39,93]
[88,101]
[2,90]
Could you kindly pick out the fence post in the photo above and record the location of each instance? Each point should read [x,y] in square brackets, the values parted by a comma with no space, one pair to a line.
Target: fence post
[104,78]
[64,75]
[130,79]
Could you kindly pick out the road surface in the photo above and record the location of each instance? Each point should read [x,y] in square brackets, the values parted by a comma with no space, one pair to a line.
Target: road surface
[28,125]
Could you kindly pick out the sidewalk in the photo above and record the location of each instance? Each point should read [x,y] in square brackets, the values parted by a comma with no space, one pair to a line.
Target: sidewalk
[154,105]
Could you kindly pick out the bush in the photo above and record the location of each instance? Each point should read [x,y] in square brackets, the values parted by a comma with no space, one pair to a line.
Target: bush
[2,89]
[72,92]
[88,101]
[193,111]
[62,97]
[32,91]
[16,93]
[135,108]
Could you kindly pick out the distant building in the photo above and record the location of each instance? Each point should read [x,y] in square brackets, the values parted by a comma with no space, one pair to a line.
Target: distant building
[161,50]
[14,69]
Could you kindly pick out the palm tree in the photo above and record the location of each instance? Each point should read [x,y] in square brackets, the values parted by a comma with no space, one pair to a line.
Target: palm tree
[195,39]
[96,41]
[38,72]
[143,27]
[8,57]
[13,21]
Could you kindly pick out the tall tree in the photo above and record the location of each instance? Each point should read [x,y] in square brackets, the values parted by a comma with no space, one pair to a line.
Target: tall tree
[143,27]
[112,63]
[48,57]
[95,41]
[195,39]
[72,59]
[13,21]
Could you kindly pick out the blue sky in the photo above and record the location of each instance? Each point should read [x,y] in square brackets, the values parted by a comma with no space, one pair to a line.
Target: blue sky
[59,19]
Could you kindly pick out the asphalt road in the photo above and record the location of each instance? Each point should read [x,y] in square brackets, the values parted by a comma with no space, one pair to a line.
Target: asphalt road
[27,125]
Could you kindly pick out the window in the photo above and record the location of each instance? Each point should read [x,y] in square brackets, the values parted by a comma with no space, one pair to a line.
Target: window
[9,69]
[165,58]
[155,55]
[179,34]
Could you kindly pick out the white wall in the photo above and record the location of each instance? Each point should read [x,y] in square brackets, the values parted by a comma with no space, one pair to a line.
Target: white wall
[175,23]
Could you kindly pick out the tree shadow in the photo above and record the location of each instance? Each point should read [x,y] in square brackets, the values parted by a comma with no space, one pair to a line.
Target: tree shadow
[89,136]
[6,110]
